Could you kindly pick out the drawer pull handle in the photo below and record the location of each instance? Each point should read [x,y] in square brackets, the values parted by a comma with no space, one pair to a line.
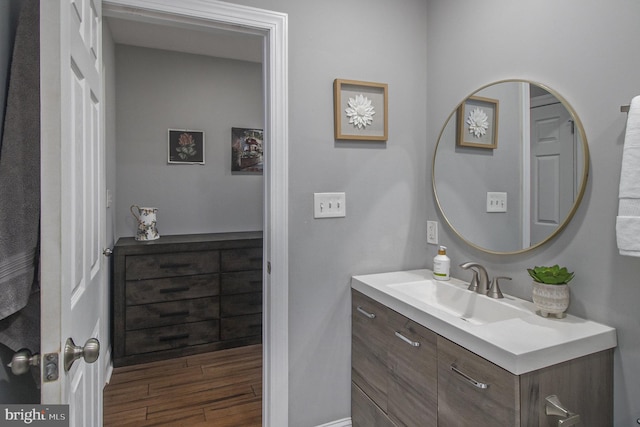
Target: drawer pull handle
[175,313]
[173,337]
[470,380]
[175,265]
[407,340]
[369,315]
[171,290]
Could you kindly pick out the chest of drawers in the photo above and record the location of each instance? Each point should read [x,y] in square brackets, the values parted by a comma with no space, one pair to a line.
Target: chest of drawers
[185,294]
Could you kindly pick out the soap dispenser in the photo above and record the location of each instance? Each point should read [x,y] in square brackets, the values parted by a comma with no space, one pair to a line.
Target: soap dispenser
[441,264]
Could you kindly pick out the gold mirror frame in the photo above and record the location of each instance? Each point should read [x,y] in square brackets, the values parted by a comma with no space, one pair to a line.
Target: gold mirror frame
[583,180]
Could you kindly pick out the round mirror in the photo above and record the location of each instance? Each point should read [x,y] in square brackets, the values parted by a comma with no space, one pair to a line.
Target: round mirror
[510,166]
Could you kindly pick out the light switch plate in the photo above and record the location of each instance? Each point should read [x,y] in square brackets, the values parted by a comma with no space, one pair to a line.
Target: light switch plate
[496,201]
[329,205]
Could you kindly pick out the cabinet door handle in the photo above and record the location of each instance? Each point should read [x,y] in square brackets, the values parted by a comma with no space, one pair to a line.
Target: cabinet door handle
[173,337]
[171,290]
[175,313]
[470,380]
[369,315]
[407,340]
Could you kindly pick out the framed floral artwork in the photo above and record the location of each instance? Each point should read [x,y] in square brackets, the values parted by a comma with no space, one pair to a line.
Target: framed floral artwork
[186,146]
[360,110]
[246,150]
[478,122]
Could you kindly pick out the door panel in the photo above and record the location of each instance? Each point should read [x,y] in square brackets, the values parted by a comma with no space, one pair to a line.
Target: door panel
[552,169]
[74,271]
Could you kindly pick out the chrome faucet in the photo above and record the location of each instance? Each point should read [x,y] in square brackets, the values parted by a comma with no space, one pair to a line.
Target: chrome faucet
[480,281]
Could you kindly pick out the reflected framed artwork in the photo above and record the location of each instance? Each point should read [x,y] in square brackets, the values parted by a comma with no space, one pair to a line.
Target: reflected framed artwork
[478,123]
[360,110]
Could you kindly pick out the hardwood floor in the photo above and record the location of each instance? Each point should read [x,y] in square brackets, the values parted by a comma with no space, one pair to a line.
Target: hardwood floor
[219,389]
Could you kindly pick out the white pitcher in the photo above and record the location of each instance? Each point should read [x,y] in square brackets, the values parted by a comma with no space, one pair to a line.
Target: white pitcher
[146,217]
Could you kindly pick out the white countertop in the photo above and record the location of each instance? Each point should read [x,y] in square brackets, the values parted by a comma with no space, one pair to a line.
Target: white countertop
[519,345]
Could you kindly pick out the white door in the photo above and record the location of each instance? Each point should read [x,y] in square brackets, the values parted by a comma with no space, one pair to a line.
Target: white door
[74,271]
[552,169]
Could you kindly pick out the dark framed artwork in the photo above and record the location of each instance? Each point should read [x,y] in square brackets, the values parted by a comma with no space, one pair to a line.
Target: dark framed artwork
[478,123]
[186,146]
[247,150]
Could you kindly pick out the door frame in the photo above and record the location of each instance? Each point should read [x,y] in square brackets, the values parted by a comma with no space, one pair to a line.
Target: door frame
[273,27]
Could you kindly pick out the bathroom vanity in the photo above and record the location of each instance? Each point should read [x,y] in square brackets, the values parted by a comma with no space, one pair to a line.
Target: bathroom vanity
[428,353]
[185,294]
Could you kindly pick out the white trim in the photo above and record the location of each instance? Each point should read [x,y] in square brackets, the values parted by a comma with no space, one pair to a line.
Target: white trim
[345,422]
[274,28]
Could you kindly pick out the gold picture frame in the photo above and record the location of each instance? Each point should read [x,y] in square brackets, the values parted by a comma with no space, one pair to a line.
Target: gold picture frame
[360,110]
[478,123]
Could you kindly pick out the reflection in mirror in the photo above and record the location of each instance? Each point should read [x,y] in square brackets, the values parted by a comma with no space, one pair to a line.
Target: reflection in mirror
[518,195]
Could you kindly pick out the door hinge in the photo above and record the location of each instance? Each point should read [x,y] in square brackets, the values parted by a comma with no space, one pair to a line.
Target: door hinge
[268,267]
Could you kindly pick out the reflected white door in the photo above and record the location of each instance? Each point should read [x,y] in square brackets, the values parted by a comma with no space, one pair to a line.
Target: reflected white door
[552,169]
[74,271]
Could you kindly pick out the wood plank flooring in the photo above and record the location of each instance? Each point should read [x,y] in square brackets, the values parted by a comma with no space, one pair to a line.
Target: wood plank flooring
[218,389]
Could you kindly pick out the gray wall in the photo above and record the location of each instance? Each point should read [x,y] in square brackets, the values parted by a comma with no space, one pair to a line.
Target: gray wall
[578,49]
[158,90]
[385,183]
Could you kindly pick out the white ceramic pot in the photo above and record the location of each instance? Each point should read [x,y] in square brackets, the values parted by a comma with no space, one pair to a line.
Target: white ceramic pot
[551,299]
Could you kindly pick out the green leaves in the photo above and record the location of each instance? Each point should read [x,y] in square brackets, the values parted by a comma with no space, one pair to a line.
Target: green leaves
[555,275]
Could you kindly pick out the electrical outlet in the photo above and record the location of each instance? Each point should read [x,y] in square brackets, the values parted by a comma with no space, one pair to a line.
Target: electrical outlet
[432,232]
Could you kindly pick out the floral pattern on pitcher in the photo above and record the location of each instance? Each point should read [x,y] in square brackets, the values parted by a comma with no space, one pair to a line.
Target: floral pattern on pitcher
[147,225]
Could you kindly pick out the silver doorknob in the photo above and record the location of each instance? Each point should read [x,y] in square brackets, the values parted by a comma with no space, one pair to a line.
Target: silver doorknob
[107,252]
[22,361]
[73,352]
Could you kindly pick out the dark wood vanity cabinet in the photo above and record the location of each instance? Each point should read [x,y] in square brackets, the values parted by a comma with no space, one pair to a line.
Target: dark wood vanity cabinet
[423,379]
[185,294]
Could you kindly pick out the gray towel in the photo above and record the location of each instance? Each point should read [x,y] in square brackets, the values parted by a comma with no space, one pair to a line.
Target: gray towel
[20,169]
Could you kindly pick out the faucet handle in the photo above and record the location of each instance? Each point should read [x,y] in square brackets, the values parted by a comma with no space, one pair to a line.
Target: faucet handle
[494,291]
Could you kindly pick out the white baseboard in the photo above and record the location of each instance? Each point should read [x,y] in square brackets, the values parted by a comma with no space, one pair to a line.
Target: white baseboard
[345,422]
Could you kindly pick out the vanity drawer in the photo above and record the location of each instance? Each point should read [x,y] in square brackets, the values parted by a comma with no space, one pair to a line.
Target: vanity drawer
[171,289]
[461,403]
[369,343]
[241,326]
[365,413]
[240,304]
[153,266]
[171,313]
[241,259]
[241,282]
[169,337]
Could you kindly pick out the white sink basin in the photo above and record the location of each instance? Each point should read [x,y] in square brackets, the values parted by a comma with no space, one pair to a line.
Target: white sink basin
[468,306]
[505,331]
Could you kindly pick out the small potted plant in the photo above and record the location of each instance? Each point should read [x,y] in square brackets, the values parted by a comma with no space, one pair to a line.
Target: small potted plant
[551,290]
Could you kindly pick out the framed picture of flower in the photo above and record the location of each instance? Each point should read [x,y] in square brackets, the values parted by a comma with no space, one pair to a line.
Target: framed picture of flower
[478,122]
[186,146]
[360,110]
